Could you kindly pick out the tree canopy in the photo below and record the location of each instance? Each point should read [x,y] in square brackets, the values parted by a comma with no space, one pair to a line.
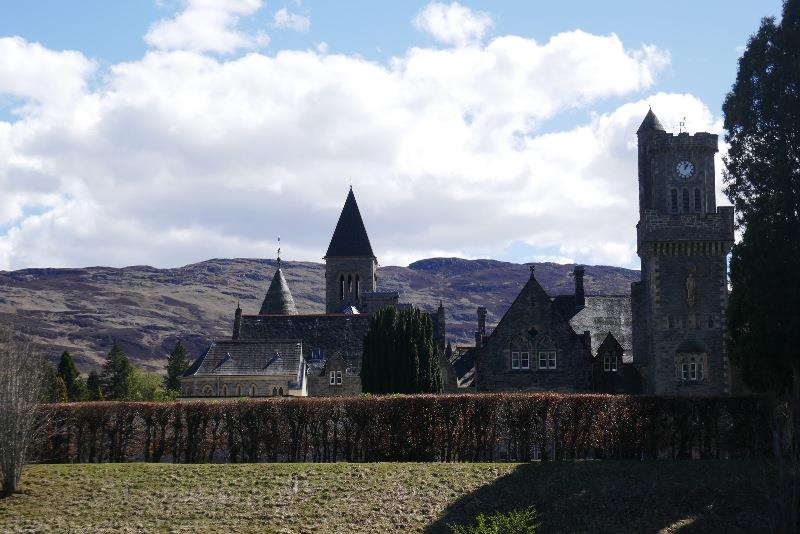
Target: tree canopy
[762,179]
[177,363]
[399,354]
[117,374]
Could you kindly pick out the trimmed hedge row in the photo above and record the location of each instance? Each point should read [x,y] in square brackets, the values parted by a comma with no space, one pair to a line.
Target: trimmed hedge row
[415,427]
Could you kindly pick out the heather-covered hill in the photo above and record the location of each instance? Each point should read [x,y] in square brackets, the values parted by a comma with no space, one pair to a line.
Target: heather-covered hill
[148,309]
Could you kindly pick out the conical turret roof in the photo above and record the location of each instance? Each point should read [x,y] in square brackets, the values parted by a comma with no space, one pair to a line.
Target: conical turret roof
[650,123]
[278,300]
[350,237]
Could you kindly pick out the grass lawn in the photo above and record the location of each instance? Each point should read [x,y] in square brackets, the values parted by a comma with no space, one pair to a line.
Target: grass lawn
[608,496]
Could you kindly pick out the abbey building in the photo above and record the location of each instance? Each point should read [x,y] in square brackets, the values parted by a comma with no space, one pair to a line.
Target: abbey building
[666,337]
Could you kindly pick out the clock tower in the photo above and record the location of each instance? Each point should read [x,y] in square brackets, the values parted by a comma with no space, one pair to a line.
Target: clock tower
[683,240]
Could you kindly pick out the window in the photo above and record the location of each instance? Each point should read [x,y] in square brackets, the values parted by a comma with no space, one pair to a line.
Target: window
[335,378]
[253,390]
[515,360]
[697,201]
[239,390]
[358,286]
[691,367]
[524,360]
[280,392]
[341,287]
[207,391]
[610,363]
[674,201]
[547,359]
[274,392]
[224,391]
[685,201]
[349,284]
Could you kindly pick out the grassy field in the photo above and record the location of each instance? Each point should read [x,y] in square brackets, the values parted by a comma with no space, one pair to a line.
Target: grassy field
[608,496]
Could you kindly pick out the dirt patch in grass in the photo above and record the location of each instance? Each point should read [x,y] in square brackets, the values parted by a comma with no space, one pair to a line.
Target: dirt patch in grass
[698,496]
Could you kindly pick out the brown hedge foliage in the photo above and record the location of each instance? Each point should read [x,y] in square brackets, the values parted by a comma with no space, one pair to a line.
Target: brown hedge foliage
[448,428]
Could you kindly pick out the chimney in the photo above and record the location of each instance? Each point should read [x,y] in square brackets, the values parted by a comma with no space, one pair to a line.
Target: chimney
[237,322]
[580,298]
[482,320]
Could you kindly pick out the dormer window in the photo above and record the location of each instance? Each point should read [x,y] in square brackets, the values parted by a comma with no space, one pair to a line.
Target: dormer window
[610,362]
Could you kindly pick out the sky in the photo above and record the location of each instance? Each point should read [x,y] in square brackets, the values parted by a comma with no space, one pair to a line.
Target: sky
[166,132]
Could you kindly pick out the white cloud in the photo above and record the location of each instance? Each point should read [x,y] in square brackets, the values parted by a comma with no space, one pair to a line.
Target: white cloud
[285,19]
[207,26]
[181,156]
[453,24]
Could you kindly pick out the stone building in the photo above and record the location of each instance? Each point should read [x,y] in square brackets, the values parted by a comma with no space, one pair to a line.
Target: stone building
[683,240]
[331,343]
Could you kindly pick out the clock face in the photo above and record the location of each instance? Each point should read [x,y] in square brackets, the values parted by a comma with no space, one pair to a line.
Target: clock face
[685,169]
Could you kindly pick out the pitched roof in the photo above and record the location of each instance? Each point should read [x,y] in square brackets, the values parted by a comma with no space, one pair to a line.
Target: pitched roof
[350,236]
[246,357]
[650,123]
[278,300]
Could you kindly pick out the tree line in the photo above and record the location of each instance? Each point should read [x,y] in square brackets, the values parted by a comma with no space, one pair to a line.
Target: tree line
[118,379]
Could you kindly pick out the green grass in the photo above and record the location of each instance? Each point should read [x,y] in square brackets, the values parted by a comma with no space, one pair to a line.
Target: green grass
[607,496]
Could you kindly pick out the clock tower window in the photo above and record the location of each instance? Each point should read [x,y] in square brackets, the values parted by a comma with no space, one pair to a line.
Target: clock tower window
[674,201]
[698,204]
[685,201]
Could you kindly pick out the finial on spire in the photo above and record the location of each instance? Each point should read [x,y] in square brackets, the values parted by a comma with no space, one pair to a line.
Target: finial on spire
[279,252]
[681,125]
[533,271]
[238,304]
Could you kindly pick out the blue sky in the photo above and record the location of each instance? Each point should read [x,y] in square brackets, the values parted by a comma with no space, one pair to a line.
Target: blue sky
[678,56]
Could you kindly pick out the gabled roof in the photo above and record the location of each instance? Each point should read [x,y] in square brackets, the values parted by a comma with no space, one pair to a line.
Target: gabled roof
[650,123]
[610,344]
[274,357]
[350,236]
[278,300]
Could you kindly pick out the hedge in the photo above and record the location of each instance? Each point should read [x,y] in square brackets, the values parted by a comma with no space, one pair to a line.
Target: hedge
[447,428]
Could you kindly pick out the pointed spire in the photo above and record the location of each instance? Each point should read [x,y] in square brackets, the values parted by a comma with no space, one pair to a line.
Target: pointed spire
[278,300]
[350,236]
[650,123]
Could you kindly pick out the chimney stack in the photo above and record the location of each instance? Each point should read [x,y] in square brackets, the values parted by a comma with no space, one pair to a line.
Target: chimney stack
[237,322]
[580,298]
[482,320]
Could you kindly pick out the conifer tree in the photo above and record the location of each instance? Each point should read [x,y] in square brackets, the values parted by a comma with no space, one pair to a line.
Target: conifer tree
[177,363]
[76,388]
[94,387]
[117,374]
[60,390]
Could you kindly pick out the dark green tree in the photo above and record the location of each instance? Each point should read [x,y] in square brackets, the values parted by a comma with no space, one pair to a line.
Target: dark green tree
[762,179]
[76,388]
[399,354]
[117,374]
[177,363]
[60,393]
[94,387]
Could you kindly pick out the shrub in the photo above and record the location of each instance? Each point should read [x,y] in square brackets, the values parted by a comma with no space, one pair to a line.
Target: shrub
[514,522]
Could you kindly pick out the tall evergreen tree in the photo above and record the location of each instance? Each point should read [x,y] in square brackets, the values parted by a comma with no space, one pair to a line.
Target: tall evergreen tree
[399,354]
[762,178]
[76,388]
[60,390]
[117,374]
[177,363]
[94,387]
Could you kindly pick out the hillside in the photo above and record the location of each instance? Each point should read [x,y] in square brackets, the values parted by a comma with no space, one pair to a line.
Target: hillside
[148,309]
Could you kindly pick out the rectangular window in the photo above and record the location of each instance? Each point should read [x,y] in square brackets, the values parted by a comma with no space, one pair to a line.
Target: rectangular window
[515,360]
[524,360]
[547,359]
[692,371]
[338,378]
[674,200]
[333,378]
[685,371]
[610,362]
[685,201]
[698,204]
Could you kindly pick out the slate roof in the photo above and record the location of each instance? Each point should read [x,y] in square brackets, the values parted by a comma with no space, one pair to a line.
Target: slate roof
[250,357]
[350,236]
[650,123]
[278,300]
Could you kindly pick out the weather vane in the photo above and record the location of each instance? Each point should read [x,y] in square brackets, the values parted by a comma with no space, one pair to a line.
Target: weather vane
[279,252]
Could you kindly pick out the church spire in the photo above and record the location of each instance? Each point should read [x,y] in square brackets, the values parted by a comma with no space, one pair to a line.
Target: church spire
[350,236]
[278,300]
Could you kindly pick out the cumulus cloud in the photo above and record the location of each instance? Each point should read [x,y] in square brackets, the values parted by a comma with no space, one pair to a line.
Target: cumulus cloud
[285,19]
[453,24]
[207,26]
[181,156]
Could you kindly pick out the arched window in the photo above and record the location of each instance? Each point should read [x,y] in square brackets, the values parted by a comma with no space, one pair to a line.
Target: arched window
[349,284]
[358,286]
[690,367]
[280,392]
[674,198]
[225,391]
[698,204]
[253,390]
[274,392]
[685,201]
[207,391]
[238,390]
[341,287]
